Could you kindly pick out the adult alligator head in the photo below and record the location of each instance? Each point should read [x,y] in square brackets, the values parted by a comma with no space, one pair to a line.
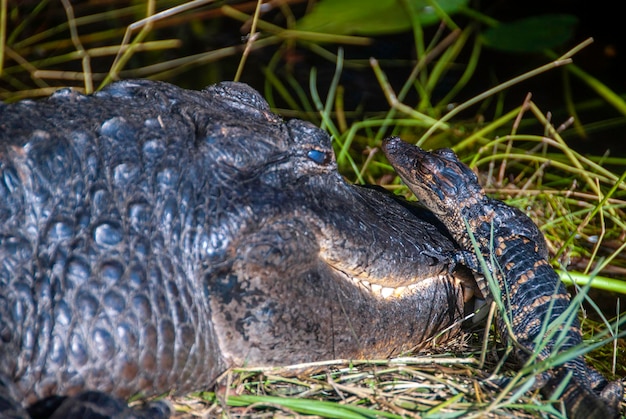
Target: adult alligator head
[151,237]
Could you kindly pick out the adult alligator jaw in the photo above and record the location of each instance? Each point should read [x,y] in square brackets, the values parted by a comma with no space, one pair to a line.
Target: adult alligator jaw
[381,254]
[535,293]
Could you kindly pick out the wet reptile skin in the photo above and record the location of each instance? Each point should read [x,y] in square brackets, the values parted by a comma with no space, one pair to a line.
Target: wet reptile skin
[531,290]
[152,237]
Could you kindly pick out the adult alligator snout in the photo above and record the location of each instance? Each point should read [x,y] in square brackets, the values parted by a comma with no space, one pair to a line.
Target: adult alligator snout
[152,237]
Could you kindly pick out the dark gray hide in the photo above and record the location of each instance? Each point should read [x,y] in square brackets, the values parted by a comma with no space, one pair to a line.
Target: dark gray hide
[152,237]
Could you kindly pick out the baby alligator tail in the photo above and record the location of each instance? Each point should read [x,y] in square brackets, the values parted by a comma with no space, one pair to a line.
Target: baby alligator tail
[534,296]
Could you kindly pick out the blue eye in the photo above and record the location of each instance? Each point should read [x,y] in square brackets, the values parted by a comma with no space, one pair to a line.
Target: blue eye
[319,157]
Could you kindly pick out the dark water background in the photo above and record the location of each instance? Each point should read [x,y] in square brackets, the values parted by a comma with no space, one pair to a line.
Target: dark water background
[605,60]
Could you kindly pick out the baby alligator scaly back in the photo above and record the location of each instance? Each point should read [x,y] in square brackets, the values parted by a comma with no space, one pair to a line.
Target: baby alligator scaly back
[531,290]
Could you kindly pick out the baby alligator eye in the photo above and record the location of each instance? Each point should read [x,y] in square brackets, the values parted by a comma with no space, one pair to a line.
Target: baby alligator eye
[319,157]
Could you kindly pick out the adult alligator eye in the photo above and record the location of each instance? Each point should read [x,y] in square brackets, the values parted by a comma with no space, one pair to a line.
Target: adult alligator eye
[319,157]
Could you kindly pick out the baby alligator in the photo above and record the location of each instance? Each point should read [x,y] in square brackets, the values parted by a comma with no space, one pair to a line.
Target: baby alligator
[532,292]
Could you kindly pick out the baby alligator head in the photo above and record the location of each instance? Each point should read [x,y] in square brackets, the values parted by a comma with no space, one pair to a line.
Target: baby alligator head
[444,185]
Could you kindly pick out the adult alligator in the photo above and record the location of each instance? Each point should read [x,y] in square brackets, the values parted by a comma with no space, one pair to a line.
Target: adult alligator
[531,290]
[152,237]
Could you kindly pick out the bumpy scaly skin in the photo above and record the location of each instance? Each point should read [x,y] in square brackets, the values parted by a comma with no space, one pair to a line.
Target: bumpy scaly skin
[531,289]
[151,237]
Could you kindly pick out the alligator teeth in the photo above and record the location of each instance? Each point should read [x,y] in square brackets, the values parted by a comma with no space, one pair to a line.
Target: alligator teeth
[388,292]
[400,291]
[383,292]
